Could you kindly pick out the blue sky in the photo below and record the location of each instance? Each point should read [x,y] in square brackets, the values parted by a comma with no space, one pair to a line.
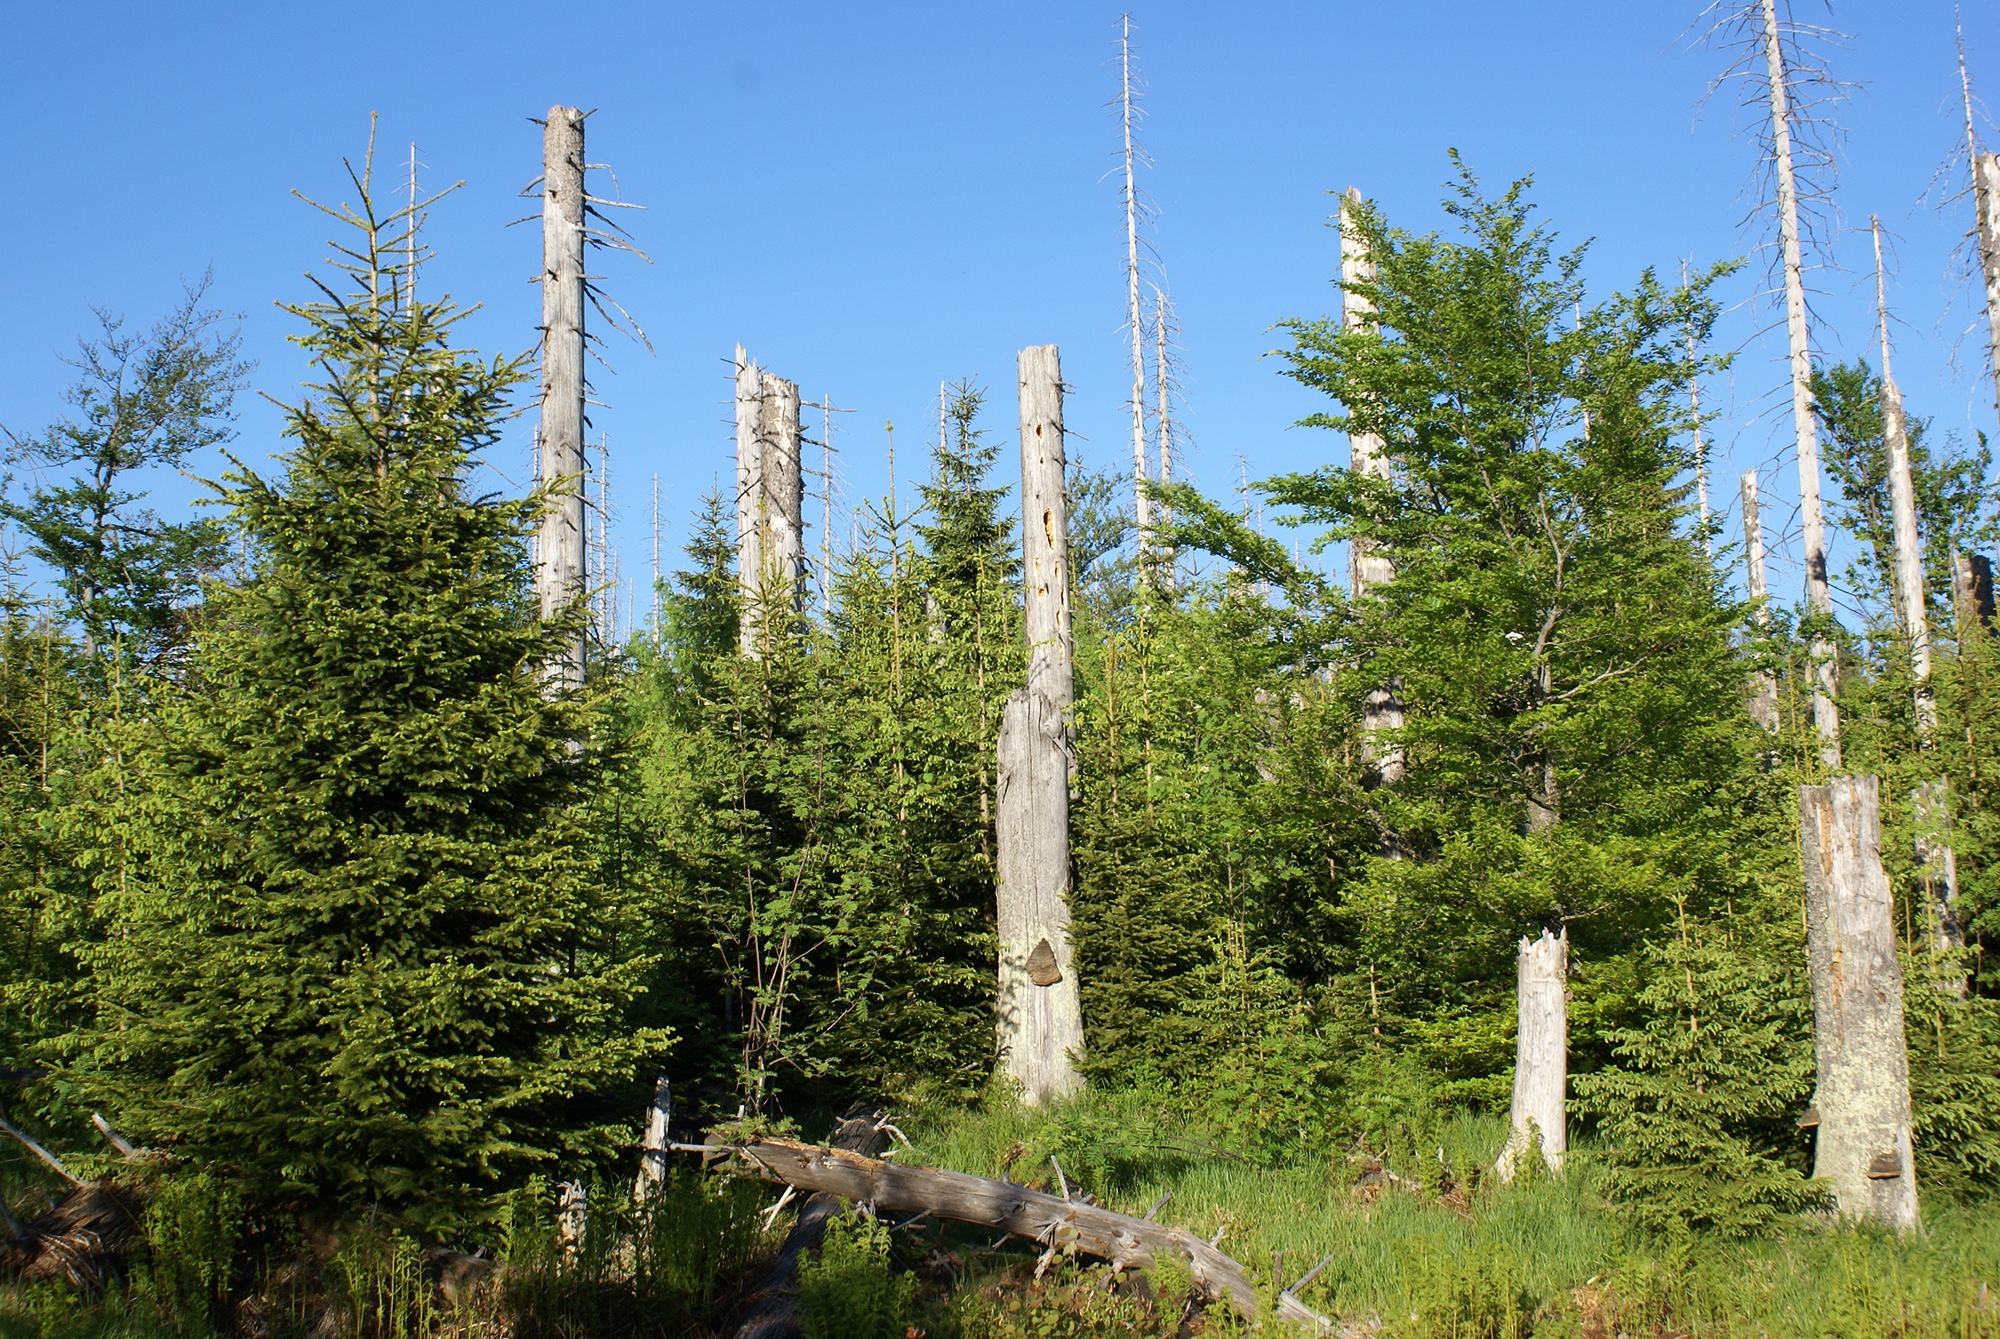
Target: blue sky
[876,198]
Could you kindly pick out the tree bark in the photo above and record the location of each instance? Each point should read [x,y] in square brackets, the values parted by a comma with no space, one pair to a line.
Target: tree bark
[1972,592]
[784,489]
[770,499]
[560,573]
[1039,1023]
[1541,1055]
[774,1308]
[1986,202]
[1057,1223]
[1804,431]
[1763,686]
[1368,565]
[1863,1098]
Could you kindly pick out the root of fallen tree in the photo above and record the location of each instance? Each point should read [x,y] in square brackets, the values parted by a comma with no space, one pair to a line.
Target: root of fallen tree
[82,1239]
[1061,1225]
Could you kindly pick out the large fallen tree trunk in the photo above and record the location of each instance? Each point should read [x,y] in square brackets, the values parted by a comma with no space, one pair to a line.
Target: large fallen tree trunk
[1062,1226]
[774,1310]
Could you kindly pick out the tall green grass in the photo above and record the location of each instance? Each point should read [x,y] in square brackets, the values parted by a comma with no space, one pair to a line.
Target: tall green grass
[1546,1255]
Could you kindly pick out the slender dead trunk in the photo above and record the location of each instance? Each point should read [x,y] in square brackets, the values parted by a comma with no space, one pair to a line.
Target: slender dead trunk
[1805,433]
[1937,862]
[1910,592]
[1141,506]
[1700,447]
[653,1145]
[1863,1100]
[1763,686]
[1368,565]
[1039,1023]
[560,570]
[749,497]
[1986,201]
[1541,1056]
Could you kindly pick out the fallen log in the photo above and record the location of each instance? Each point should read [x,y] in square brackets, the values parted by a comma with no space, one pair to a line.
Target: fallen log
[1061,1226]
[774,1309]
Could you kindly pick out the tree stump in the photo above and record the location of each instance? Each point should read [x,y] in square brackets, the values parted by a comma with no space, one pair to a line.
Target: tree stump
[1541,1055]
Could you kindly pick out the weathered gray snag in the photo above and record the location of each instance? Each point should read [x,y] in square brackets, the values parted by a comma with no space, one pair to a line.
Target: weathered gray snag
[1986,201]
[653,1146]
[1141,509]
[1541,1055]
[1863,1098]
[1058,1224]
[749,488]
[559,575]
[1038,1020]
[1910,592]
[1368,565]
[1936,860]
[783,503]
[1763,686]
[770,497]
[1805,429]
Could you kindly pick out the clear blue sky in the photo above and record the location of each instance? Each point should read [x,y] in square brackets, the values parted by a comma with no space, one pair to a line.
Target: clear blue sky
[873,198]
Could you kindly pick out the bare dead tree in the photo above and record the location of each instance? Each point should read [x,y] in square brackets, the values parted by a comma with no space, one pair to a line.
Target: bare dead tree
[1937,861]
[1700,447]
[1763,687]
[1369,566]
[1975,262]
[1776,65]
[1038,1018]
[1134,153]
[572,222]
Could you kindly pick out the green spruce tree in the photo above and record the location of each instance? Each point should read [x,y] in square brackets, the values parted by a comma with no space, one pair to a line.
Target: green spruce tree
[354,955]
[1696,1109]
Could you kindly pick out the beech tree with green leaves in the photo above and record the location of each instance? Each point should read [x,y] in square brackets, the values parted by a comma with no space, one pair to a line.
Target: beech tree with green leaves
[356,951]
[1576,747]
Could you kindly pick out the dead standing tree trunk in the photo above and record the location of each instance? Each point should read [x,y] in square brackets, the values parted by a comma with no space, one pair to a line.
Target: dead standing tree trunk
[1039,1022]
[770,498]
[1863,1100]
[559,573]
[1369,567]
[1986,201]
[1763,686]
[1931,802]
[1141,504]
[1805,432]
[1541,1056]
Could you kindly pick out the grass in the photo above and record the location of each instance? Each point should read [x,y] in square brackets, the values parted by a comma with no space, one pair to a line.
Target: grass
[1545,1255]
[1437,1253]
